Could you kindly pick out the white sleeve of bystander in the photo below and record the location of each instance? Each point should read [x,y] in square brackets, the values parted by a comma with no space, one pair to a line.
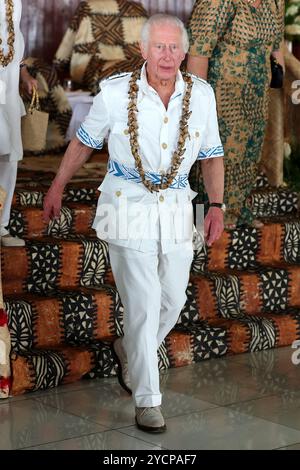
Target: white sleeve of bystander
[2,92]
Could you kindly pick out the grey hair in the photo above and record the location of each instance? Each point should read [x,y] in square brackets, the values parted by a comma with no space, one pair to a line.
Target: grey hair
[163,18]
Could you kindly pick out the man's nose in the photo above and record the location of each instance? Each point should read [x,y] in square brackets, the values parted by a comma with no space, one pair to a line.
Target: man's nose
[167,53]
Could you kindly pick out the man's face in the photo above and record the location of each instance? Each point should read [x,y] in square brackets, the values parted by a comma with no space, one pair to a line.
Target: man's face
[164,52]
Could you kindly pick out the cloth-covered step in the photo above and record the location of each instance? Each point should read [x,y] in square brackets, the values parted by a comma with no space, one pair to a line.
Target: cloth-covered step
[73,193]
[230,296]
[40,369]
[263,202]
[247,248]
[74,317]
[273,201]
[251,333]
[27,222]
[184,346]
[46,265]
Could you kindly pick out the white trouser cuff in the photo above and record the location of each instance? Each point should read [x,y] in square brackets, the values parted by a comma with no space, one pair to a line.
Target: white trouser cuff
[3,230]
[8,177]
[145,401]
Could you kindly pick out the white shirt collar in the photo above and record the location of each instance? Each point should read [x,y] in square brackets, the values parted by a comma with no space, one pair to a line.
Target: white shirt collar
[146,88]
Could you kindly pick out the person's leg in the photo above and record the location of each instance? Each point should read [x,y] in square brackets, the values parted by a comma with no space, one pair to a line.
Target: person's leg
[8,177]
[174,272]
[137,281]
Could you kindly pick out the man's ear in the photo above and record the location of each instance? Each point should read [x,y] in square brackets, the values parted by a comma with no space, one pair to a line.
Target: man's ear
[143,51]
[183,56]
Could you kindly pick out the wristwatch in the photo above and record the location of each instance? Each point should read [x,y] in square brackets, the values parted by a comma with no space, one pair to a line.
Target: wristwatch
[220,205]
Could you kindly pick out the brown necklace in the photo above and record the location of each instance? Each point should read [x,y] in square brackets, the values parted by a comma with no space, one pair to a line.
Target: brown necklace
[166,179]
[6,59]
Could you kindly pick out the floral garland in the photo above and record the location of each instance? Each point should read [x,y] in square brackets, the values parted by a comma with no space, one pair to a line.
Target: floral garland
[168,178]
[6,59]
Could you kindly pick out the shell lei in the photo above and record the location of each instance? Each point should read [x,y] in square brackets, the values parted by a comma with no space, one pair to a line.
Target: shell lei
[167,178]
[6,59]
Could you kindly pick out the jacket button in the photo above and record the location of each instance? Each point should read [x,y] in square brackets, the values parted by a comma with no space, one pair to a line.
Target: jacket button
[197,134]
[118,193]
[164,146]
[161,198]
[166,120]
[126,132]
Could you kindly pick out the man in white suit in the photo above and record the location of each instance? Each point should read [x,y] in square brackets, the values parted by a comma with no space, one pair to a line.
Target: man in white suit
[160,122]
[11,107]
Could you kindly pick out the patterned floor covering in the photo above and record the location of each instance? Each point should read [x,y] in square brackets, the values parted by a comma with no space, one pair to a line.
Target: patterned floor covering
[64,310]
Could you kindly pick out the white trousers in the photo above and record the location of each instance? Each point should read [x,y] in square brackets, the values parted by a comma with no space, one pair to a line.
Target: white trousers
[152,288]
[8,177]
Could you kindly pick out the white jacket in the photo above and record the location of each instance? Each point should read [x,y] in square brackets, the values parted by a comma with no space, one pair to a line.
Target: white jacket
[150,215]
[11,105]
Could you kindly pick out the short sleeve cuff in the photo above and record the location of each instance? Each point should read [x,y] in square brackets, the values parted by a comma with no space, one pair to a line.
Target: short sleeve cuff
[87,140]
[211,152]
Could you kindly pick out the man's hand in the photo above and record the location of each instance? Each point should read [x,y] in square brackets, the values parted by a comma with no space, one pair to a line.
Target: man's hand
[213,225]
[76,155]
[213,176]
[52,204]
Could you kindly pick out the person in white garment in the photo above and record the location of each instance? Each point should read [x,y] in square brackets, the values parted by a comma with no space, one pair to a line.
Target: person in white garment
[159,122]
[11,106]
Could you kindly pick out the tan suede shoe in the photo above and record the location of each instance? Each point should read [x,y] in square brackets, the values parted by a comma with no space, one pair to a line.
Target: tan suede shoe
[150,419]
[121,360]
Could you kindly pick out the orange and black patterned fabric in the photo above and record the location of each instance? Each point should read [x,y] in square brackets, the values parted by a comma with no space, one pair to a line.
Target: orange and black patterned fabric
[74,193]
[249,248]
[265,203]
[258,310]
[248,283]
[74,219]
[45,266]
[64,310]
[40,369]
